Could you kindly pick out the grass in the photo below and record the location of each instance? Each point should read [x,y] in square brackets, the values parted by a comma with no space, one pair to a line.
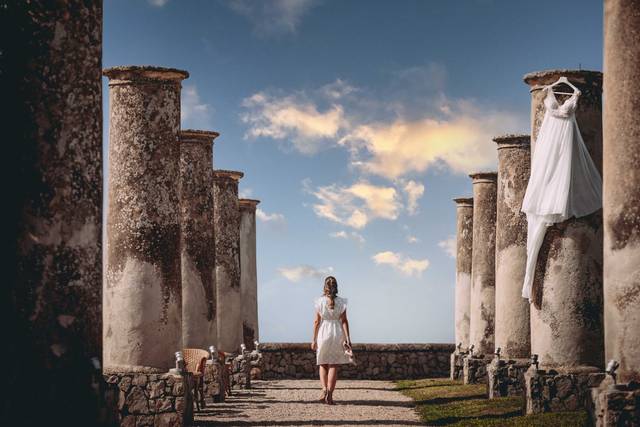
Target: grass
[442,402]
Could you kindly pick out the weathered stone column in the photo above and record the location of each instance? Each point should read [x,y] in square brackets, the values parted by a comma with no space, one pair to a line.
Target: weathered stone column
[52,205]
[512,311]
[142,284]
[566,310]
[464,241]
[622,187]
[197,243]
[227,236]
[506,371]
[482,302]
[619,404]
[566,315]
[248,271]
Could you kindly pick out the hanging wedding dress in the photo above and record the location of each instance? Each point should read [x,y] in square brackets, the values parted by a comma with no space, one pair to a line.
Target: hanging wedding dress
[564,181]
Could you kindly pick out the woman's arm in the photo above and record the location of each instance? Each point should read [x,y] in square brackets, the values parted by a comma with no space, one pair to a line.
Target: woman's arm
[316,326]
[345,327]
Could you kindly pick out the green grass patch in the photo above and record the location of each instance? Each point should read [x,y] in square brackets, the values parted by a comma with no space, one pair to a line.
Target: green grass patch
[442,402]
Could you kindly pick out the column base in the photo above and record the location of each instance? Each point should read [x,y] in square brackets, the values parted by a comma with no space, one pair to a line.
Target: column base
[241,372]
[559,390]
[615,405]
[506,377]
[456,365]
[474,369]
[213,381]
[152,399]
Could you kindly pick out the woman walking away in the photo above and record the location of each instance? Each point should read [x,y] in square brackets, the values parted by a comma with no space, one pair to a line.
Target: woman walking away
[330,337]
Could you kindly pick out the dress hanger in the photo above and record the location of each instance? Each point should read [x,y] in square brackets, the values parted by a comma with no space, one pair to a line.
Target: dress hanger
[564,80]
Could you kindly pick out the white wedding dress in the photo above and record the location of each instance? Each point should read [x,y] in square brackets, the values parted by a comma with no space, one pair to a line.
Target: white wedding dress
[564,181]
[330,334]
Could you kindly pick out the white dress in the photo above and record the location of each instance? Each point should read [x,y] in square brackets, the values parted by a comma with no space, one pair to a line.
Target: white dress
[330,334]
[564,181]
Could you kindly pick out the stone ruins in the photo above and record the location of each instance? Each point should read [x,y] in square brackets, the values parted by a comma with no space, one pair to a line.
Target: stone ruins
[104,335]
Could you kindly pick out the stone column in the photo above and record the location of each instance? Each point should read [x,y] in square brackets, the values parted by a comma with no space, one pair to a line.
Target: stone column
[512,311]
[622,186]
[197,242]
[248,271]
[566,314]
[227,235]
[52,205]
[482,305]
[142,283]
[464,241]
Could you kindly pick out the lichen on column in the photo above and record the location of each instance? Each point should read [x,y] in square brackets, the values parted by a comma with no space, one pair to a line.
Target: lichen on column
[227,252]
[482,302]
[142,281]
[512,332]
[197,242]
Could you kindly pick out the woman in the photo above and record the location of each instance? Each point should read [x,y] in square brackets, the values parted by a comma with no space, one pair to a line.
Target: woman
[330,337]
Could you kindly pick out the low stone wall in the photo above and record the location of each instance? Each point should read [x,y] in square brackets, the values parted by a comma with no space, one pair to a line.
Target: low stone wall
[506,377]
[374,361]
[152,399]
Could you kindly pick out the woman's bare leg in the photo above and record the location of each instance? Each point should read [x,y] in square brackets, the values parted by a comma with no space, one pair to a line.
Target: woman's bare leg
[332,378]
[324,379]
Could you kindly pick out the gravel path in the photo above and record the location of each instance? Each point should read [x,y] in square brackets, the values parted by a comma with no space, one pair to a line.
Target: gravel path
[293,403]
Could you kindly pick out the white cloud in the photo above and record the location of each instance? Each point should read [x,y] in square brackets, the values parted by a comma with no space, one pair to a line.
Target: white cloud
[158,3]
[194,112]
[405,265]
[412,239]
[449,246]
[245,193]
[274,17]
[414,191]
[338,89]
[269,217]
[300,272]
[356,205]
[275,221]
[357,237]
[292,118]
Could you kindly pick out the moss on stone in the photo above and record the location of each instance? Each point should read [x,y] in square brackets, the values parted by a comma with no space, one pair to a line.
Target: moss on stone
[445,402]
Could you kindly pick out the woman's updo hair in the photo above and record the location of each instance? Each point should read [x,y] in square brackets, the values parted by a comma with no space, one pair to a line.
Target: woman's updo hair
[331,290]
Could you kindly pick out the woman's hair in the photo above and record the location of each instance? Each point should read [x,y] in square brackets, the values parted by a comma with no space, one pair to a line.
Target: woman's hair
[331,290]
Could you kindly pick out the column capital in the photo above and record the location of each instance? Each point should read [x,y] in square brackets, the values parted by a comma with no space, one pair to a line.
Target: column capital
[484,177]
[193,136]
[128,74]
[463,202]
[537,79]
[513,141]
[221,175]
[248,204]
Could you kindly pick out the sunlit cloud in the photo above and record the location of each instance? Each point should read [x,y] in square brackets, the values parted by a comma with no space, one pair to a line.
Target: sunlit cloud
[448,246]
[194,112]
[300,272]
[337,89]
[405,265]
[412,239]
[350,235]
[355,205]
[292,119]
[274,17]
[274,221]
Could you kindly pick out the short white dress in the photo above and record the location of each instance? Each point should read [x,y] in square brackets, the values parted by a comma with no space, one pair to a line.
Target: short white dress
[330,334]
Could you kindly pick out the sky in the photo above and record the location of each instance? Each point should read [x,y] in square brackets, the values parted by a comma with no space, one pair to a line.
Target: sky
[356,123]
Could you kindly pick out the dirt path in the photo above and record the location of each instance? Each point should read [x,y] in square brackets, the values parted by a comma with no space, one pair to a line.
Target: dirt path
[293,403]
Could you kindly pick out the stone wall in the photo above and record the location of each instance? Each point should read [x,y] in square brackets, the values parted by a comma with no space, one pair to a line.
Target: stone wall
[374,361]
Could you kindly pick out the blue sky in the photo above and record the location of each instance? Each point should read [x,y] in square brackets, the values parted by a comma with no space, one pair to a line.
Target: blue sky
[356,123]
